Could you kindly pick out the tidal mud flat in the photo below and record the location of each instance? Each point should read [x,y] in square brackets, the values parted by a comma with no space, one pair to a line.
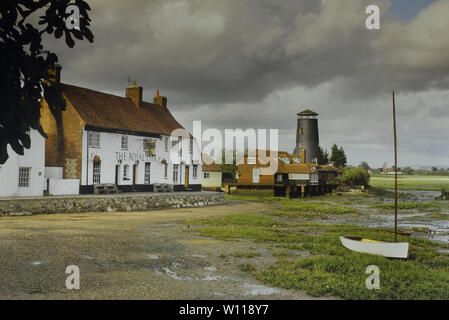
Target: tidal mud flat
[129,255]
[254,247]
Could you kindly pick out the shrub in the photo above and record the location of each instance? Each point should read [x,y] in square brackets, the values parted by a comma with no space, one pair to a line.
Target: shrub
[355,177]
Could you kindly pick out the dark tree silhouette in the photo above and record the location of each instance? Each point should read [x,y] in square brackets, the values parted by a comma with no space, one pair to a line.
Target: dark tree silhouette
[24,65]
[338,156]
[324,155]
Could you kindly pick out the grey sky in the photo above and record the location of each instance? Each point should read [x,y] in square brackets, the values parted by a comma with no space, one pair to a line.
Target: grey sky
[256,63]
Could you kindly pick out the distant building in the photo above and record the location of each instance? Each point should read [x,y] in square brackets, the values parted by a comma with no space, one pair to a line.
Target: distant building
[212,174]
[124,141]
[294,177]
[24,175]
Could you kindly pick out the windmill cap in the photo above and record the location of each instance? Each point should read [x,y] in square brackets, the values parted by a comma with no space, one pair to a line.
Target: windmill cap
[307,112]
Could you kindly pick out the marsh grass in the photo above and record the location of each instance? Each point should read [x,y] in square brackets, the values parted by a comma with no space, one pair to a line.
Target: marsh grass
[331,269]
[308,207]
[246,254]
[406,205]
[248,267]
[410,182]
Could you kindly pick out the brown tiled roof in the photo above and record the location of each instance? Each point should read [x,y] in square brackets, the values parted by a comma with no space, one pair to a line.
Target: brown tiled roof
[324,167]
[293,168]
[104,110]
[209,164]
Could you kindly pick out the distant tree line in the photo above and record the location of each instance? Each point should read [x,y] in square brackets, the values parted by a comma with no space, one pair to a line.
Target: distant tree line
[423,172]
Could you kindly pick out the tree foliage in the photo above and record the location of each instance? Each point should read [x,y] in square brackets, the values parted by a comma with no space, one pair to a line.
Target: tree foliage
[324,156]
[355,176]
[364,165]
[24,65]
[338,156]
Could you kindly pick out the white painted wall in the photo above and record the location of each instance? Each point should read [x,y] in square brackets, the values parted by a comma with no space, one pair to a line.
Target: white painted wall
[58,187]
[53,172]
[33,158]
[214,179]
[110,153]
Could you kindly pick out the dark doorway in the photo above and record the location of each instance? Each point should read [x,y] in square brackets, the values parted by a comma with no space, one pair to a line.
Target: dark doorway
[134,175]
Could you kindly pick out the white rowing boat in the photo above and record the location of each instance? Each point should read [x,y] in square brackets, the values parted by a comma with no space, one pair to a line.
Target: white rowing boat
[380,248]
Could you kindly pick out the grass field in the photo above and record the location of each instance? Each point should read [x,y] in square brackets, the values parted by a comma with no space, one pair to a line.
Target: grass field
[308,255]
[410,182]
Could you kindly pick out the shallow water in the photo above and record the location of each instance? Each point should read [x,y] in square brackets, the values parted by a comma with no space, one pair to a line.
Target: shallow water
[407,219]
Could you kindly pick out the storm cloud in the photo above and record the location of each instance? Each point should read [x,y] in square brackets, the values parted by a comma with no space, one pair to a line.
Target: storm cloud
[256,63]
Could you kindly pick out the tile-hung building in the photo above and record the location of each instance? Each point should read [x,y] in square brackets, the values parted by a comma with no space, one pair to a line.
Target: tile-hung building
[107,139]
[294,177]
[24,175]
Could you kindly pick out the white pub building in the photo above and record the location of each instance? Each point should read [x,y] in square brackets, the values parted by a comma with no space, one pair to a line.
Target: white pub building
[106,139]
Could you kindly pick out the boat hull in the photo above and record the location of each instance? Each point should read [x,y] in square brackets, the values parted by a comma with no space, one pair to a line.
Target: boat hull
[386,249]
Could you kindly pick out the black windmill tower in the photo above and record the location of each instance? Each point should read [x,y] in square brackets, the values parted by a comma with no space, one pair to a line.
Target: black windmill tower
[307,137]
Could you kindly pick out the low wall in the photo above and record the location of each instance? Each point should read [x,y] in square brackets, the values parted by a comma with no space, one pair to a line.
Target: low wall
[108,203]
[58,187]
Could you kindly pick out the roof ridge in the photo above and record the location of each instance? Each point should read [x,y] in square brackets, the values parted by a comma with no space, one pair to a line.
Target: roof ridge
[96,91]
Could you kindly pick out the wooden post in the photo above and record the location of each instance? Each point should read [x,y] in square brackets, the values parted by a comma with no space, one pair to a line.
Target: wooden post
[395,175]
[288,190]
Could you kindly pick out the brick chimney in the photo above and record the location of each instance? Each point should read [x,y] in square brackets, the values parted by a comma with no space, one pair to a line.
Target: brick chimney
[303,155]
[134,93]
[160,100]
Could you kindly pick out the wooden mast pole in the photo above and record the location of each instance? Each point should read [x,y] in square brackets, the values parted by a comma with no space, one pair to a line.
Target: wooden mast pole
[395,175]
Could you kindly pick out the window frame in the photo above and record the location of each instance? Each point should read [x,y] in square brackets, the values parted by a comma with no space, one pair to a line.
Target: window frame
[195,171]
[252,161]
[124,145]
[147,173]
[93,139]
[166,147]
[96,173]
[24,180]
[176,172]
[126,172]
